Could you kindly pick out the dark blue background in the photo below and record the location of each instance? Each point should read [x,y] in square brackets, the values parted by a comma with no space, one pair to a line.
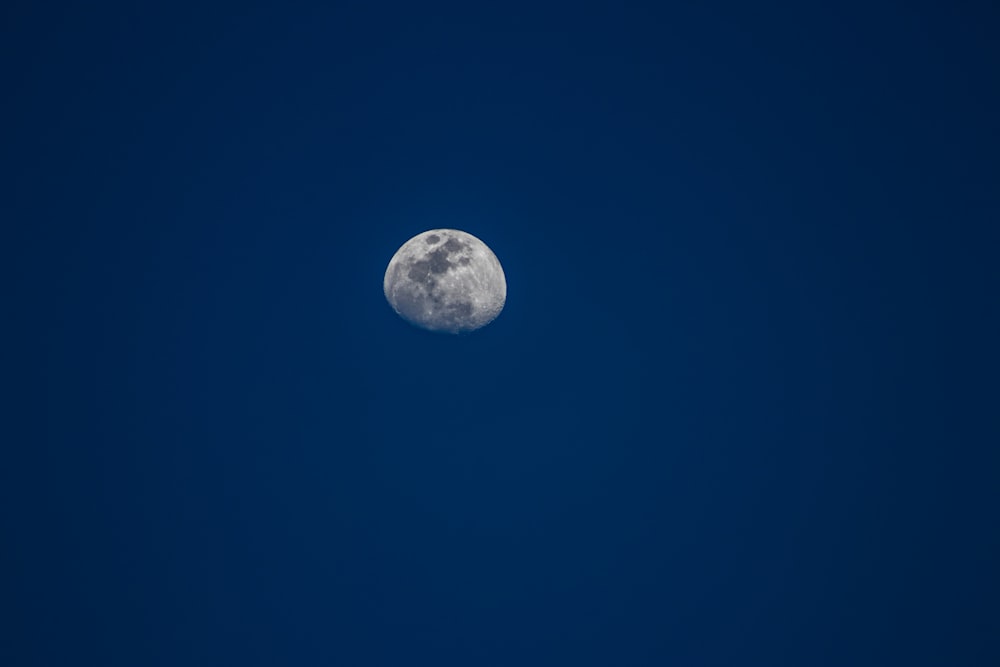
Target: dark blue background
[740,409]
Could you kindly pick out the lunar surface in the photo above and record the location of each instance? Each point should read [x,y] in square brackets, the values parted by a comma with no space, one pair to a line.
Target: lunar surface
[446,280]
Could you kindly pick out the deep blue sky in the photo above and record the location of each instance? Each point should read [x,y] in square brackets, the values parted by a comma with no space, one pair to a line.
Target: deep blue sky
[741,407]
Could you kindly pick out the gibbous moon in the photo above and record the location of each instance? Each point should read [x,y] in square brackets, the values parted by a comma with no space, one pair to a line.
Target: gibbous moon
[445,280]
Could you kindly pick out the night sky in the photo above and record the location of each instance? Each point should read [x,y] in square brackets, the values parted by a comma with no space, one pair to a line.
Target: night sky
[742,406]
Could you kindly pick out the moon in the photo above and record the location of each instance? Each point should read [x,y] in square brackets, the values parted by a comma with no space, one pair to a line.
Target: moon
[445,280]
